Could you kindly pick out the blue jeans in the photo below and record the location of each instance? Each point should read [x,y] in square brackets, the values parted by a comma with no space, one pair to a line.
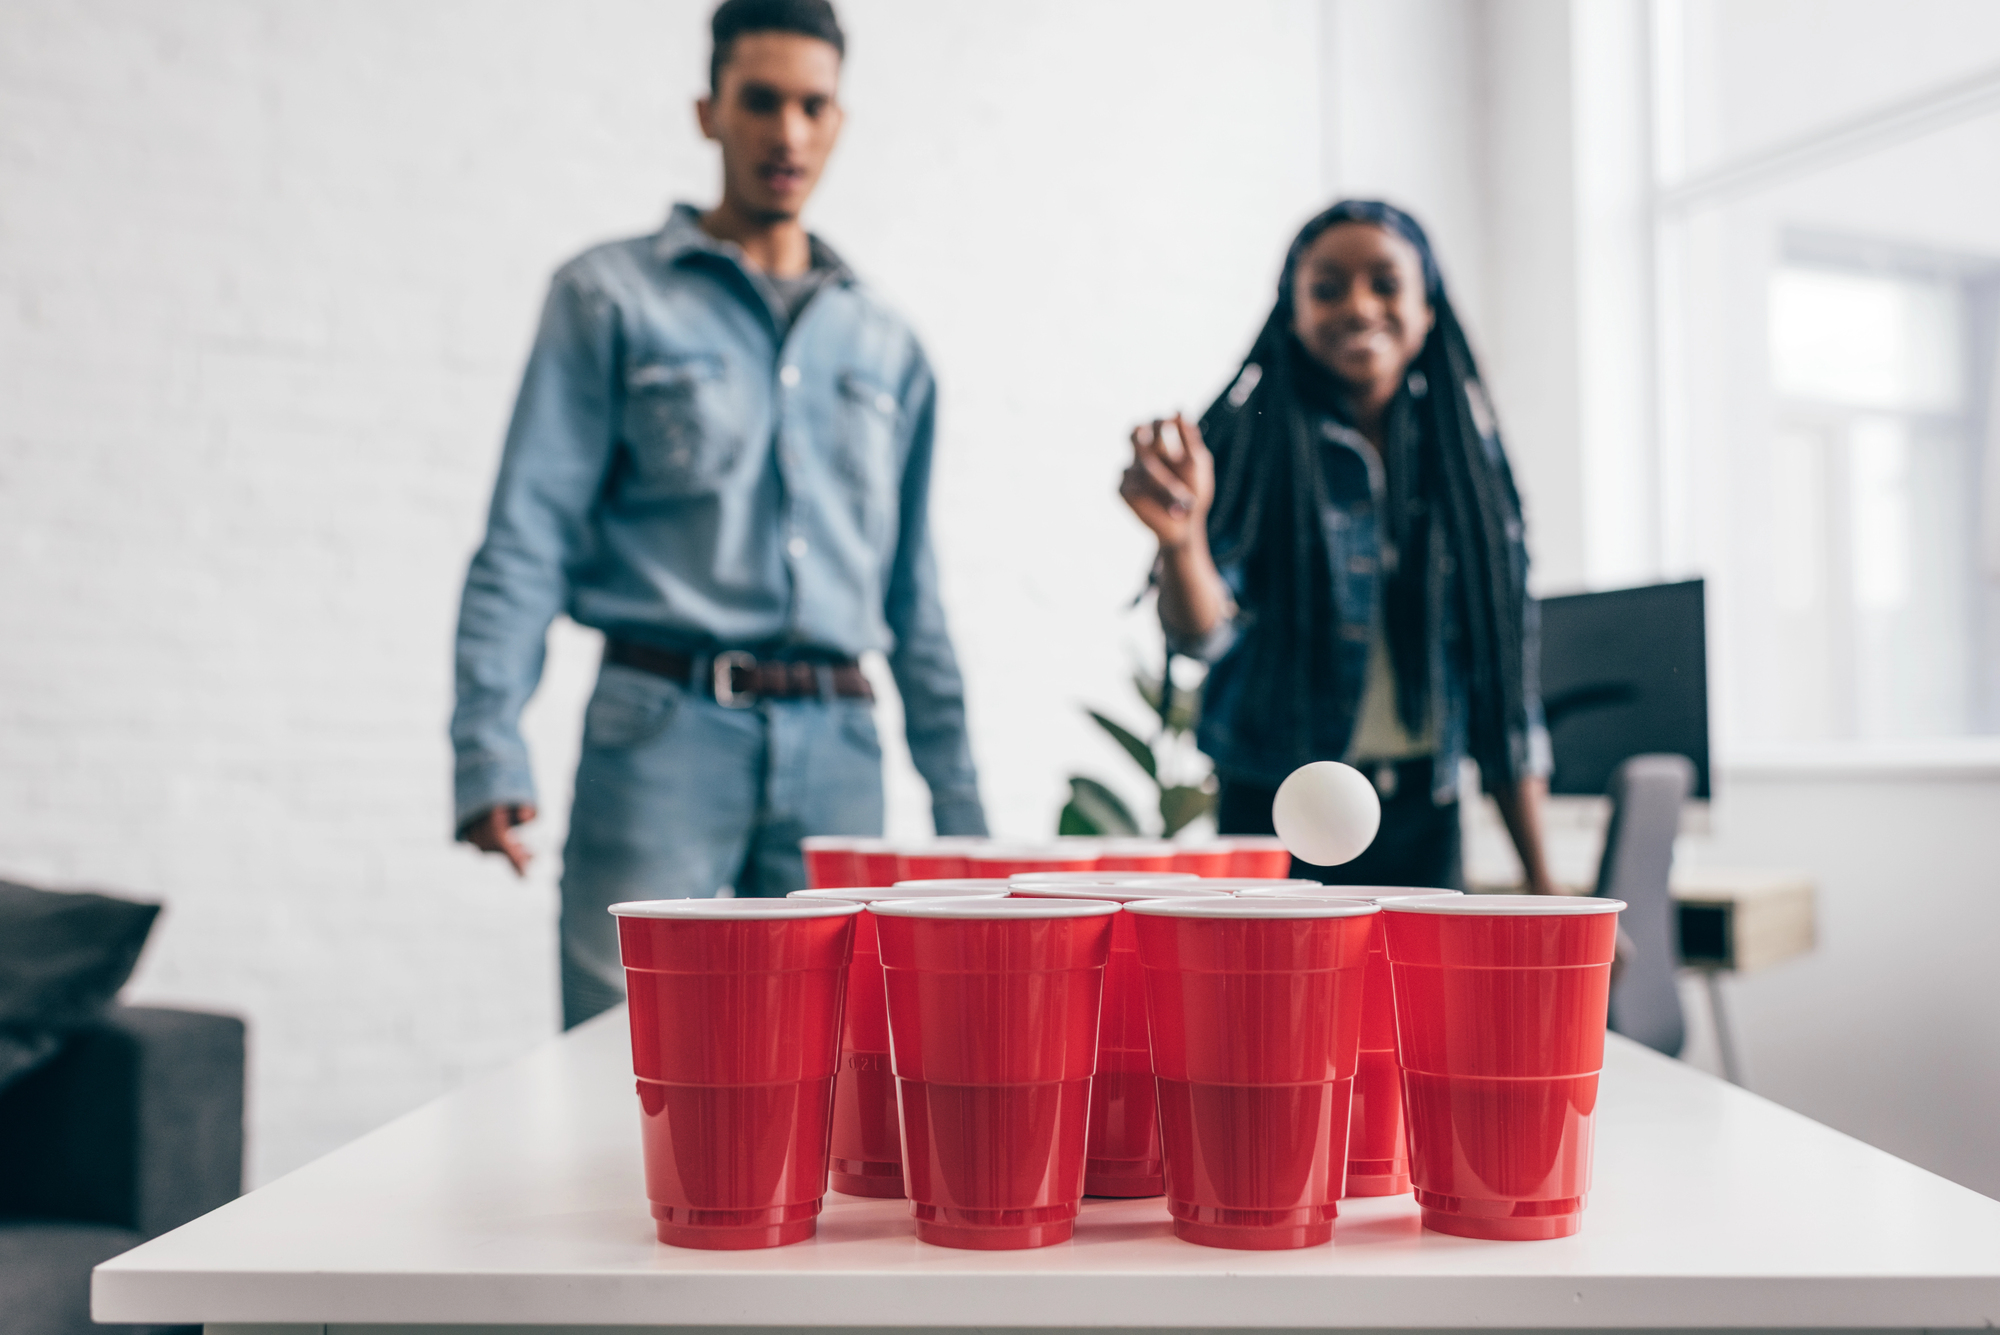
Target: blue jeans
[678,796]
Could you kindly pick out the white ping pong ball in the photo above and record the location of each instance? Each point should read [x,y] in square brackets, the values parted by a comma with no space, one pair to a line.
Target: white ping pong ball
[1326,813]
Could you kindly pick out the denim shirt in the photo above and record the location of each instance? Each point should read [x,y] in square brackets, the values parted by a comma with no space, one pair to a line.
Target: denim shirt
[685,471]
[1350,520]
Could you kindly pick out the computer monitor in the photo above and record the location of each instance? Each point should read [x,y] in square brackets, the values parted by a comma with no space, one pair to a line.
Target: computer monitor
[1625,673]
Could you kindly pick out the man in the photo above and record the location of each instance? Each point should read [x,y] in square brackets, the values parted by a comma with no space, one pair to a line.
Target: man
[720,457]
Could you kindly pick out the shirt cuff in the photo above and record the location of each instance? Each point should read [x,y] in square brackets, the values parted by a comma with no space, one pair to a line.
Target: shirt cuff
[1211,647]
[1541,754]
[483,783]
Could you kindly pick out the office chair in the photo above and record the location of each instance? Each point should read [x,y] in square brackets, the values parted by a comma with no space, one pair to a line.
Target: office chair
[1646,796]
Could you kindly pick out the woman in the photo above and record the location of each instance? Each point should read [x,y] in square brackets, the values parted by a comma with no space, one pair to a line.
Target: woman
[1349,558]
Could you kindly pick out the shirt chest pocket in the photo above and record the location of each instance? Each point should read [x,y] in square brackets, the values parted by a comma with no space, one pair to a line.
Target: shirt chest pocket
[865,451]
[680,425]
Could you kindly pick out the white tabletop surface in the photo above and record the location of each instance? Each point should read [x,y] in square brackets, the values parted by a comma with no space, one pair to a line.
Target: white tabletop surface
[518,1200]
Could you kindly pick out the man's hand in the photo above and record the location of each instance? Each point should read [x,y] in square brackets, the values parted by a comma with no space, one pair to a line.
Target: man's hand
[1171,481]
[494,833]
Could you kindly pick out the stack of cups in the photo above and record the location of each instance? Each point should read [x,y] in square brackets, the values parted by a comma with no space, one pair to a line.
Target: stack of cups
[866,1150]
[993,1009]
[1255,1009]
[1378,1159]
[735,1013]
[1123,1156]
[1258,855]
[1500,1011]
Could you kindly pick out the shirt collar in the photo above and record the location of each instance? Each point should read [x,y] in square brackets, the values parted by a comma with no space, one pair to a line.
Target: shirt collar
[683,236]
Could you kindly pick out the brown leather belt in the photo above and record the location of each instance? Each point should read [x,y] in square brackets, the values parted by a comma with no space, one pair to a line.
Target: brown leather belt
[738,680]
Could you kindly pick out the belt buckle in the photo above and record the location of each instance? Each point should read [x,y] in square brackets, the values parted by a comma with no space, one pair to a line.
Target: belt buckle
[722,679]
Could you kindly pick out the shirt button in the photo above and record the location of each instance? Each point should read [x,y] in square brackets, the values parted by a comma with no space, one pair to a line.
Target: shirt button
[797,547]
[788,376]
[884,404]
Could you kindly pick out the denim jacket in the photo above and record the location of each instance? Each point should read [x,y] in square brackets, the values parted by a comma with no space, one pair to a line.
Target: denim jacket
[684,471]
[1352,472]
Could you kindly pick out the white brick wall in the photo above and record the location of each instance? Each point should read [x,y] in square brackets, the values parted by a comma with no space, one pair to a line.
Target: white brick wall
[267,273]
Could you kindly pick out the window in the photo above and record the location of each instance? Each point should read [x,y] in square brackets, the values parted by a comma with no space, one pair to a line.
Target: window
[1829,280]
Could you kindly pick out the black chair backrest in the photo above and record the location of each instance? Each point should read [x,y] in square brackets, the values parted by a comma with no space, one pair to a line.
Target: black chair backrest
[1646,797]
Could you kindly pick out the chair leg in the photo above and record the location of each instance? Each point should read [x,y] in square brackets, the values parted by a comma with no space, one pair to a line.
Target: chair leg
[1725,1038]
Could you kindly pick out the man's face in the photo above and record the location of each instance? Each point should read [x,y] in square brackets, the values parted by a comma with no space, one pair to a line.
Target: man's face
[776,115]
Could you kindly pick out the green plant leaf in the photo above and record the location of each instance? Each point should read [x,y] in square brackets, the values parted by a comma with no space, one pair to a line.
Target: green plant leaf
[1182,804]
[1149,690]
[1095,809]
[1138,750]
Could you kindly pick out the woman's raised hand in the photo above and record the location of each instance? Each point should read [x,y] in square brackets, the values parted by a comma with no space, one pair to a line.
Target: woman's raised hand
[1171,481]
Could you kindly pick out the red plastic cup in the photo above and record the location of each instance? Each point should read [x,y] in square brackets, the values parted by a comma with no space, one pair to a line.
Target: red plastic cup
[866,1152]
[929,862]
[1136,855]
[735,1014]
[1378,1156]
[876,862]
[1203,859]
[1500,1011]
[1258,855]
[830,860]
[1122,1153]
[1255,1012]
[993,1008]
[1005,860]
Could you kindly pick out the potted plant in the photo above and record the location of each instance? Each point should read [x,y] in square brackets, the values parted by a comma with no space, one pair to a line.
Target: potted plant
[1177,770]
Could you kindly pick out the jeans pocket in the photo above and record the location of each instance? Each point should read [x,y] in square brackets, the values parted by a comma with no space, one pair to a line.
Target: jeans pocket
[679,426]
[627,708]
[857,728]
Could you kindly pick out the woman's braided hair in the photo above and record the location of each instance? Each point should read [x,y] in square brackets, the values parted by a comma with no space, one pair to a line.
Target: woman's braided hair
[1451,505]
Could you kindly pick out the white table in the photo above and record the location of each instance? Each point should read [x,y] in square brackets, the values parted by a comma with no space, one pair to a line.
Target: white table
[518,1202]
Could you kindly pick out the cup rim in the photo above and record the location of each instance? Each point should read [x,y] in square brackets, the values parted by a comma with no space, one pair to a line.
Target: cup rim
[737,910]
[1374,894]
[970,885]
[1234,885]
[817,841]
[875,894]
[1120,894]
[994,908]
[1097,877]
[1506,906]
[1252,841]
[1229,906]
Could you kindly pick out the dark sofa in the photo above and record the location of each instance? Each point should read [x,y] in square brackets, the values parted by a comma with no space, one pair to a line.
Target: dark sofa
[132,1129]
